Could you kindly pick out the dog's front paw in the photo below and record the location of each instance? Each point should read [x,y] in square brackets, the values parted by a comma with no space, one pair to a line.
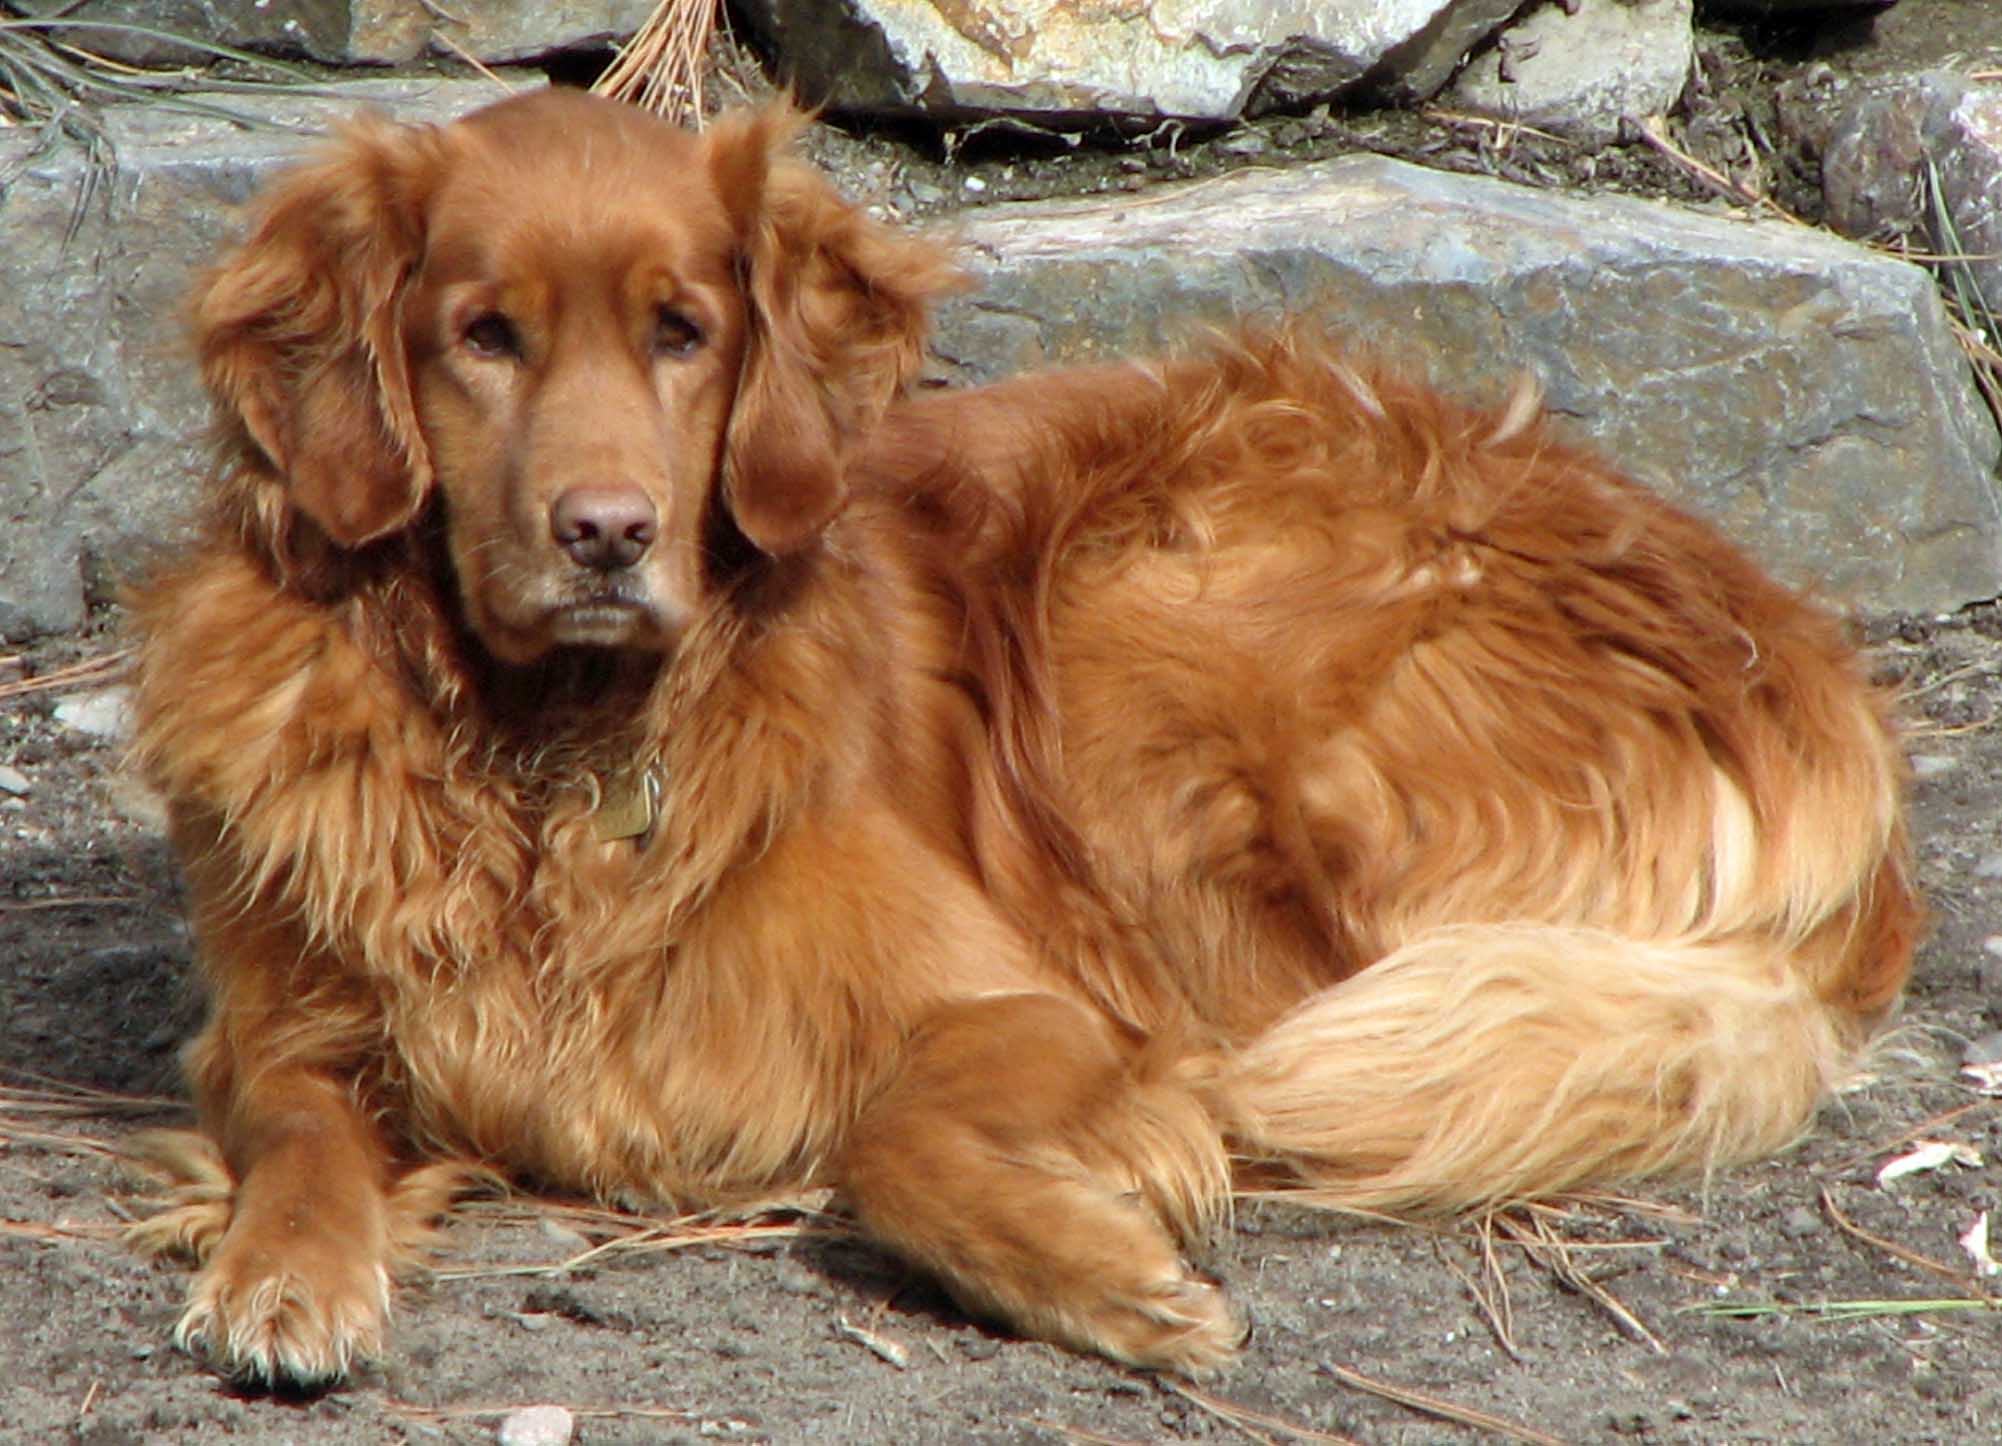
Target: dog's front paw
[269,1324]
[1180,1322]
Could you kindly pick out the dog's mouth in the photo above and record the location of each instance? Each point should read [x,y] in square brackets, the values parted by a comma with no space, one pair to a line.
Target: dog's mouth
[605,619]
[626,612]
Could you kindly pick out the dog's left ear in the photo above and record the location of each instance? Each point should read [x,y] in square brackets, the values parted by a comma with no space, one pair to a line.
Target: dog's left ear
[838,310]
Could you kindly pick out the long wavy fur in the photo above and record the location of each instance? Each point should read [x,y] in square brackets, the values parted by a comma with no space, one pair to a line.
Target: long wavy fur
[1075,794]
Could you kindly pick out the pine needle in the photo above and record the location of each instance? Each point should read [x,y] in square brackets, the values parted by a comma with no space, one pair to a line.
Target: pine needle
[662,66]
[629,1234]
[48,81]
[1443,1409]
[1654,134]
[1256,1425]
[106,668]
[1889,1247]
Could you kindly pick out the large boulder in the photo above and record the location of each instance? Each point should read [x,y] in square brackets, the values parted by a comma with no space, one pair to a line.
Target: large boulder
[1065,63]
[1804,392]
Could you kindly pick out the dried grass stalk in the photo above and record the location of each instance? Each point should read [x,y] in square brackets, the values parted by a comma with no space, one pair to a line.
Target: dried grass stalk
[662,66]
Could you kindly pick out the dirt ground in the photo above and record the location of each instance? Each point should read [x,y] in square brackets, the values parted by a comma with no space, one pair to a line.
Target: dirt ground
[1599,1320]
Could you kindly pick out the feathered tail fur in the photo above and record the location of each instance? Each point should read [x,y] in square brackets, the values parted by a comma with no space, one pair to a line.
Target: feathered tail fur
[1479,1063]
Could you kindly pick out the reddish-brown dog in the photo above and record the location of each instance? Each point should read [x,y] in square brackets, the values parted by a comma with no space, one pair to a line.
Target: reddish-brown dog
[616,736]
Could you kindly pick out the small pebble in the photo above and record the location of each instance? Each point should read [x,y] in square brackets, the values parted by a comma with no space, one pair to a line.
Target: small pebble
[14,781]
[1932,765]
[1990,867]
[106,713]
[536,1426]
[1798,1222]
[975,184]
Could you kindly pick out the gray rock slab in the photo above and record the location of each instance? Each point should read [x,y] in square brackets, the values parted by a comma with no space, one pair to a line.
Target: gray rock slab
[1802,391]
[1065,63]
[346,32]
[101,416]
[1580,74]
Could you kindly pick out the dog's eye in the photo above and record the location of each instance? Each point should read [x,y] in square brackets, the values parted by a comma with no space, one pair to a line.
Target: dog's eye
[492,335]
[674,334]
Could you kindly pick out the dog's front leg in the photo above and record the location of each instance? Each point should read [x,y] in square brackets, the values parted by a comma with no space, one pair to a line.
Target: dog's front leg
[297,1287]
[1049,1176]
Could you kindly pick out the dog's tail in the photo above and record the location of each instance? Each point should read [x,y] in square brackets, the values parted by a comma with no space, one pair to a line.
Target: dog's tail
[1480,1063]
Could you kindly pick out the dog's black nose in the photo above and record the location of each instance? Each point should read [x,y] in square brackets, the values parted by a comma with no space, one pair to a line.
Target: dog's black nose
[604,528]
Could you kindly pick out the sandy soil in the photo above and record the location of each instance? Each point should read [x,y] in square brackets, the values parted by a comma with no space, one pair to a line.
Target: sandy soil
[1597,1320]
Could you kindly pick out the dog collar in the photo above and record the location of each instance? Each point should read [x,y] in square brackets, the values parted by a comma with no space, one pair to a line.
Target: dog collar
[629,806]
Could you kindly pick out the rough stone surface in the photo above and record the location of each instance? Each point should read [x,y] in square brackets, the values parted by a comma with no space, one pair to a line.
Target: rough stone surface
[1802,391]
[100,412]
[349,32]
[498,31]
[270,27]
[1063,62]
[1888,144]
[104,713]
[1875,150]
[1579,75]
[1419,68]
[1792,9]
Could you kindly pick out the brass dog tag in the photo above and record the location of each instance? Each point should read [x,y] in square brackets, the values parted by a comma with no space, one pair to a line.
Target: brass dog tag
[629,806]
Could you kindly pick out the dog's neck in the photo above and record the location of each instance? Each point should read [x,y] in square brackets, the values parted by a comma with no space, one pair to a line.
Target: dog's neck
[579,701]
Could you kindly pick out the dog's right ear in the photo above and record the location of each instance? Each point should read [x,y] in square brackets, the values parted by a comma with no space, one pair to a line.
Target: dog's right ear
[299,331]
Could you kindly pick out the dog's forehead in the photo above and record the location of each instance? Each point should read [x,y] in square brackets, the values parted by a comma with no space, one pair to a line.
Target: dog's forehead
[559,179]
[559,124]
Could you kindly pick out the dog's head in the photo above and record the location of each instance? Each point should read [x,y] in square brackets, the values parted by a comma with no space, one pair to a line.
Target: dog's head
[584,330]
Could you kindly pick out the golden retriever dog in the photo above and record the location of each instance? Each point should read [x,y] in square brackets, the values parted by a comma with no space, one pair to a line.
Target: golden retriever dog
[620,733]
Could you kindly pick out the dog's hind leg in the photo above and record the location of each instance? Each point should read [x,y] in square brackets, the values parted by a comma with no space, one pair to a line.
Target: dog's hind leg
[1049,1177]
